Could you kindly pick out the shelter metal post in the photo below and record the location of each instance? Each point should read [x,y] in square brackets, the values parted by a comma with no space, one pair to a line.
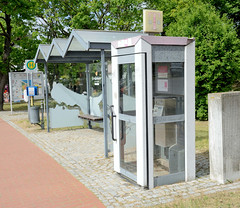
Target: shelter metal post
[46,91]
[10,87]
[88,93]
[104,93]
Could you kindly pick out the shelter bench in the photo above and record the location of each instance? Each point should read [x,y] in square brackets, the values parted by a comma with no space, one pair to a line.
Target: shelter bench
[91,118]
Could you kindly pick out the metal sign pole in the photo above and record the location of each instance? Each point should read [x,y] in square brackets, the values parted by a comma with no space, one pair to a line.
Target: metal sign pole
[104,93]
[28,96]
[32,98]
[31,79]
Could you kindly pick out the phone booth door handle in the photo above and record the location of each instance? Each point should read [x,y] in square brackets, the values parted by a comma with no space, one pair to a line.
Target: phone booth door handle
[113,117]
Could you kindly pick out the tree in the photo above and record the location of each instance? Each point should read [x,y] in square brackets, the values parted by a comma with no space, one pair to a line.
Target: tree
[91,14]
[55,19]
[120,15]
[217,50]
[229,8]
[15,37]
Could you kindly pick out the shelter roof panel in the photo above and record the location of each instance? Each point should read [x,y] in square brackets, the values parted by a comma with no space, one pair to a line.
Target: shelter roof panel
[61,42]
[83,40]
[42,52]
[76,46]
[104,36]
[54,52]
[57,47]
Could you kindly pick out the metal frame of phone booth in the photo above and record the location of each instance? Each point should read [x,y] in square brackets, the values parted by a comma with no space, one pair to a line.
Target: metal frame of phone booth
[153,113]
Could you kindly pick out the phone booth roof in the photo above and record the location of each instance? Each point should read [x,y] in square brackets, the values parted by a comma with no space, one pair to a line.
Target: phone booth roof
[153,40]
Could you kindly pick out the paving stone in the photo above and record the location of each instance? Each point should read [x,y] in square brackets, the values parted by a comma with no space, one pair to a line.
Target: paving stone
[81,152]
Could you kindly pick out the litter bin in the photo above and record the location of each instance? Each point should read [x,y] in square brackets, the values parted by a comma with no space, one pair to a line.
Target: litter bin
[34,115]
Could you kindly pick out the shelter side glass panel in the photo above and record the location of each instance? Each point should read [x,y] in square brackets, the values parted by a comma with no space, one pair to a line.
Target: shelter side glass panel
[168,121]
[127,120]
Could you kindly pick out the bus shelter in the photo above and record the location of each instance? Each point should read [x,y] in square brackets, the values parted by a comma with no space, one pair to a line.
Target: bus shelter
[82,46]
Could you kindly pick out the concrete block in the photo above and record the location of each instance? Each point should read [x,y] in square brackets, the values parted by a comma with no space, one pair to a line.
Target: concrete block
[224,136]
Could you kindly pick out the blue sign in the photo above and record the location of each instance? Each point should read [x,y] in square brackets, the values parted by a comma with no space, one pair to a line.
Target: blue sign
[32,91]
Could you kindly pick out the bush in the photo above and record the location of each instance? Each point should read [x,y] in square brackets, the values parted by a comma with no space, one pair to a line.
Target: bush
[217,50]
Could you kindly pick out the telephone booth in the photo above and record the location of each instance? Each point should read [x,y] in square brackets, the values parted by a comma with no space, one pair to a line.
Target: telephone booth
[153,112]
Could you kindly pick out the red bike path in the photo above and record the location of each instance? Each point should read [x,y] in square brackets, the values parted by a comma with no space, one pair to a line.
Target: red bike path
[29,178]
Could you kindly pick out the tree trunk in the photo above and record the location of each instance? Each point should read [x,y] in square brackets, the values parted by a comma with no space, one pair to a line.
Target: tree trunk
[6,58]
[3,82]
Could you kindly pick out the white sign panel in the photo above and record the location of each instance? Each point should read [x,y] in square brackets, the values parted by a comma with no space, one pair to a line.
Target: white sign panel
[30,66]
[20,80]
[163,85]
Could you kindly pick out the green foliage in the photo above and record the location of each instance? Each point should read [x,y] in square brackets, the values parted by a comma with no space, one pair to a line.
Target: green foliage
[217,45]
[217,50]
[17,41]
[56,18]
[51,20]
[169,8]
[84,19]
[18,9]
[123,15]
[25,46]
[230,8]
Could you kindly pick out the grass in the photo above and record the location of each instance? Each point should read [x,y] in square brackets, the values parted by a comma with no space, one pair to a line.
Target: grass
[224,199]
[20,106]
[202,142]
[26,125]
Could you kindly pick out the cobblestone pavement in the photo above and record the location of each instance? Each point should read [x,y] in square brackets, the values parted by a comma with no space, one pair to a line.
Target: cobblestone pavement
[81,152]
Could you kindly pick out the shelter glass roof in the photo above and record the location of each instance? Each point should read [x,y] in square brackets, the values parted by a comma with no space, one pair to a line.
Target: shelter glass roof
[78,47]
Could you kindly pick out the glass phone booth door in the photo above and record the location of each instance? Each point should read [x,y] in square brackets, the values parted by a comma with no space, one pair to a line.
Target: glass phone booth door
[127,120]
[128,124]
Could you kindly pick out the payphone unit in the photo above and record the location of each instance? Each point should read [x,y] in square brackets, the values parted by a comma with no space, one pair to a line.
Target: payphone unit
[153,107]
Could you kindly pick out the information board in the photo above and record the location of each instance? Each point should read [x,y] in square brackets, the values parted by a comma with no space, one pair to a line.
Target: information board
[20,80]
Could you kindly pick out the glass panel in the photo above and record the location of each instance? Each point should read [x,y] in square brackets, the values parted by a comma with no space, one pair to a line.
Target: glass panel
[65,103]
[95,79]
[127,101]
[128,155]
[168,108]
[168,79]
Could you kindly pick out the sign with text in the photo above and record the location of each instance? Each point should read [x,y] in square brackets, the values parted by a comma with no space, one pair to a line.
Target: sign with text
[162,71]
[32,91]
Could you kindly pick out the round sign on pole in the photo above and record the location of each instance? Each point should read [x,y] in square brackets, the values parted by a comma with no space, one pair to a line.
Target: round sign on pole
[30,66]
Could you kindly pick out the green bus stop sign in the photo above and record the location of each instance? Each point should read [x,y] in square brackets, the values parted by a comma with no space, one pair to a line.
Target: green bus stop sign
[31,65]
